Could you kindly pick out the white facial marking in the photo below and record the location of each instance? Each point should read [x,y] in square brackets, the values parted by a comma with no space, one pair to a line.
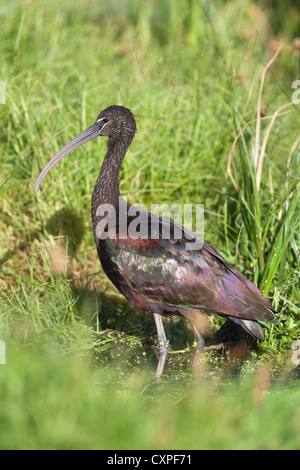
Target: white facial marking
[99,120]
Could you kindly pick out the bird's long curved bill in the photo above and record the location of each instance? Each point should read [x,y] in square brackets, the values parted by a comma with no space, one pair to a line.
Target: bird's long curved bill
[89,134]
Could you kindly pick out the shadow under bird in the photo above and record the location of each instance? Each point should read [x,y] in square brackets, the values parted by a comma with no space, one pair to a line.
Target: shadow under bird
[159,274]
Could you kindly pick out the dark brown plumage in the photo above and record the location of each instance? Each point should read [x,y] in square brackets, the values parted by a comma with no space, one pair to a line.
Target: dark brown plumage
[161,276]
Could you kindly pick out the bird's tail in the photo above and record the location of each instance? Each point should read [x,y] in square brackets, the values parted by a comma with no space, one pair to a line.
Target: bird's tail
[252,327]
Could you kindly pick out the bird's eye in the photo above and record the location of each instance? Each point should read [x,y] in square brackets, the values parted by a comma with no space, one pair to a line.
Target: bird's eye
[102,121]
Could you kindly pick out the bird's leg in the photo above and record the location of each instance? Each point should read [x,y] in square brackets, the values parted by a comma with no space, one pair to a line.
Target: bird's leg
[200,345]
[163,344]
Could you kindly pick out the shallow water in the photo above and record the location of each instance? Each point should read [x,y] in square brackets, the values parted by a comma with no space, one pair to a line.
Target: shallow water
[127,368]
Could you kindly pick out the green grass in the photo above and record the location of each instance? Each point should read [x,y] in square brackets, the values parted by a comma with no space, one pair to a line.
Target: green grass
[77,353]
[53,402]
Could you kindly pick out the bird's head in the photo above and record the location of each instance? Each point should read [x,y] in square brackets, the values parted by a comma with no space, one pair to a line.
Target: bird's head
[115,122]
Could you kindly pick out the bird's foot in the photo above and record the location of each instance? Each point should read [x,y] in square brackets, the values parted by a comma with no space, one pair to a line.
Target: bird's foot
[223,346]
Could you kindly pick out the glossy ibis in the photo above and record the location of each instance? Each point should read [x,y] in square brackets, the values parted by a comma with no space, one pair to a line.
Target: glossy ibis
[155,273]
